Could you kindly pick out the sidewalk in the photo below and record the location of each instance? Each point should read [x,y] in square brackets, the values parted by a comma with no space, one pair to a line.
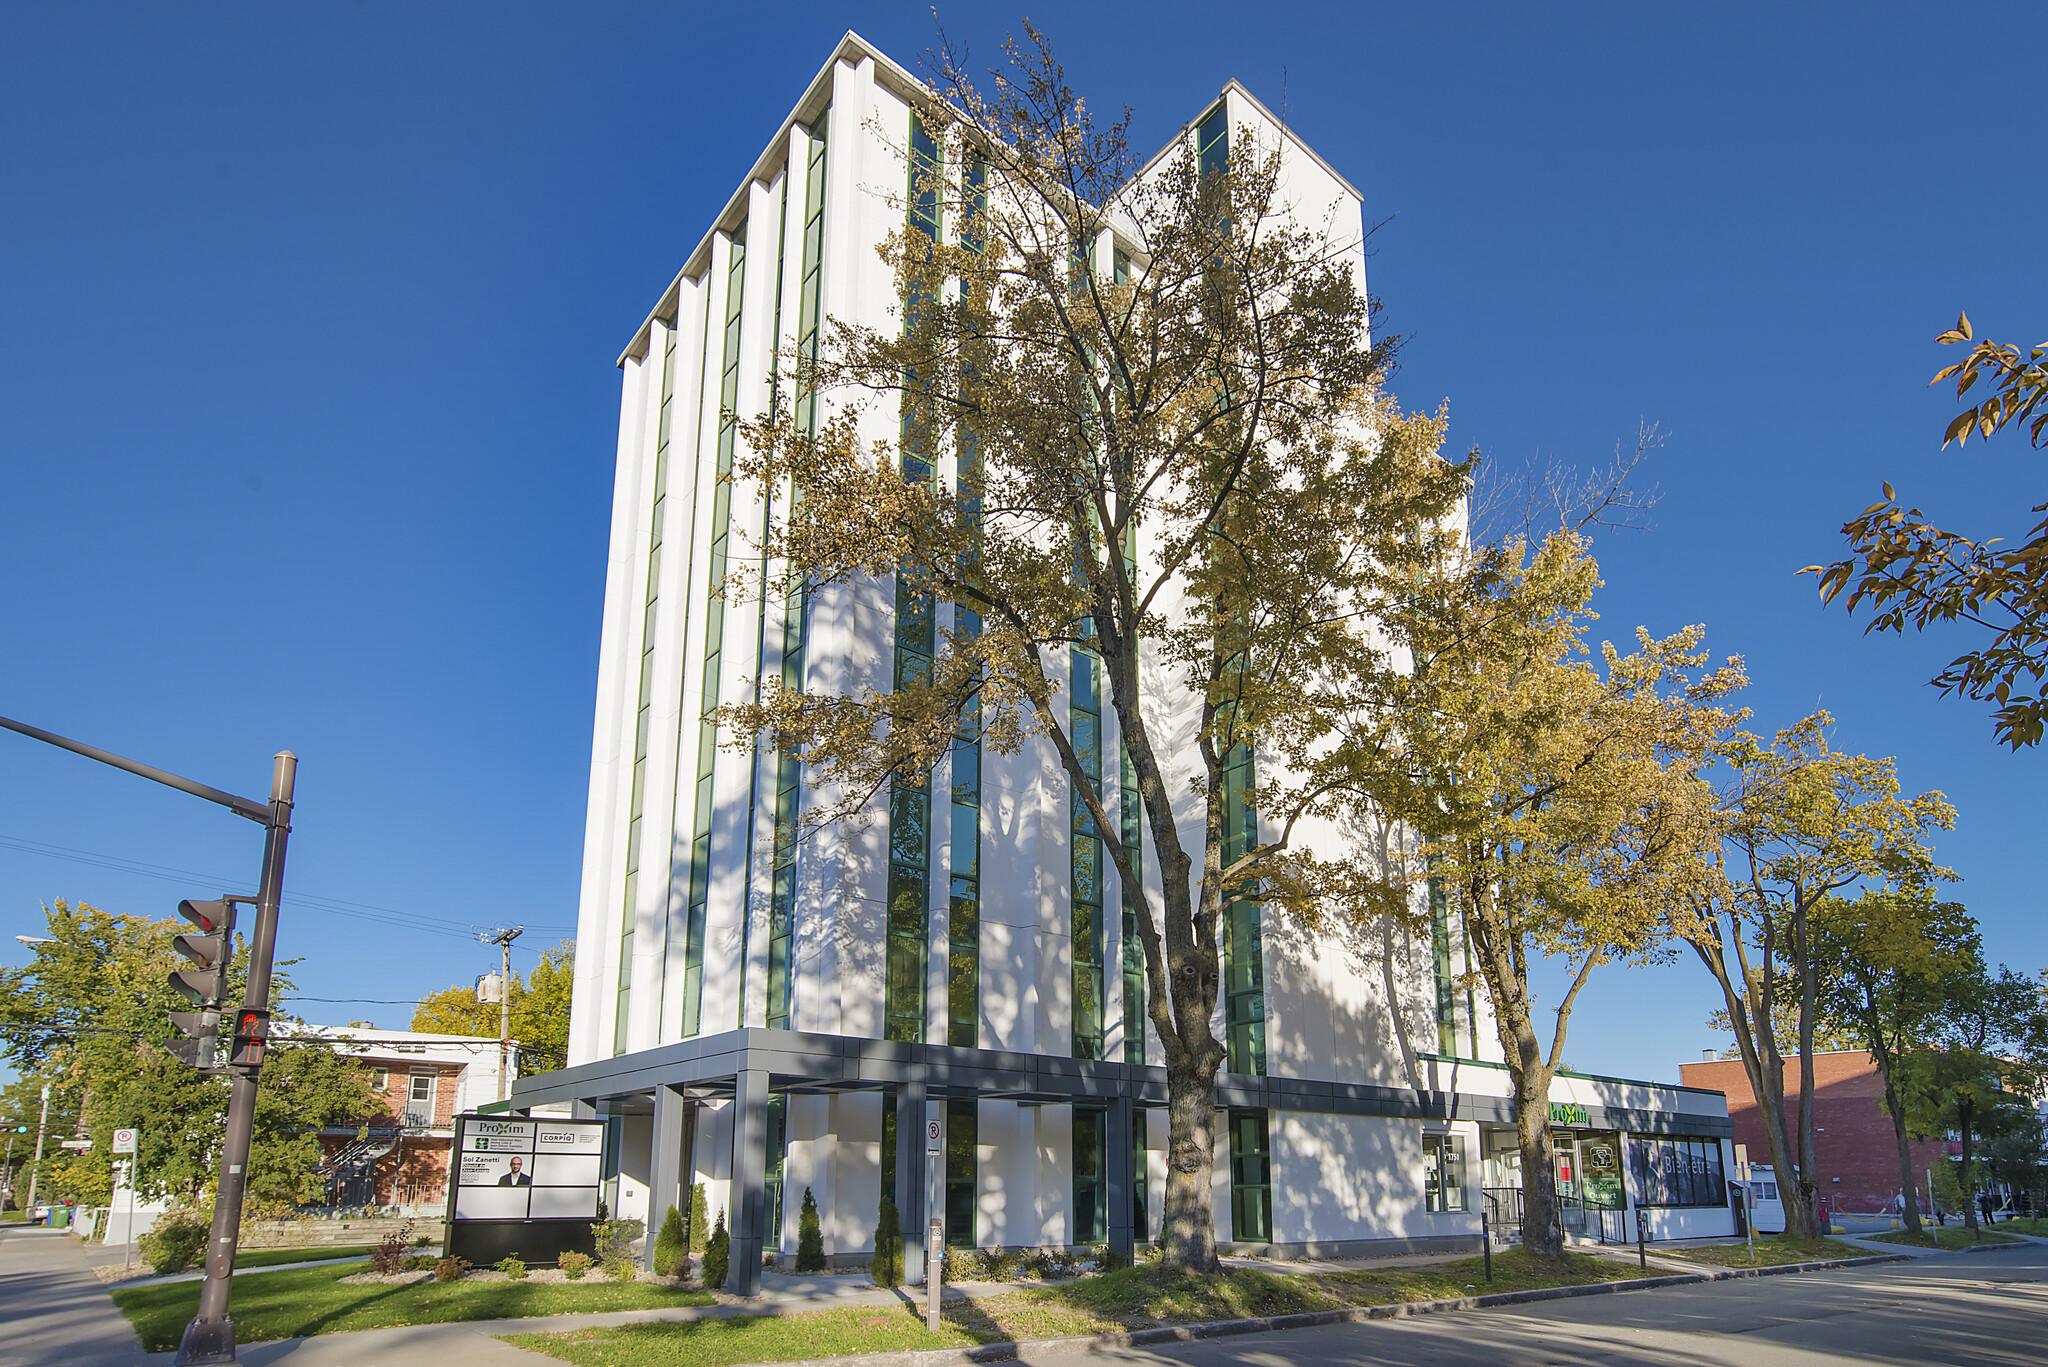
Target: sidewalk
[54,1310]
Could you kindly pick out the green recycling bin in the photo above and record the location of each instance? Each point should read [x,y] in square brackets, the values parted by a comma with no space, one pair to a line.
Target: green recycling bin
[60,1217]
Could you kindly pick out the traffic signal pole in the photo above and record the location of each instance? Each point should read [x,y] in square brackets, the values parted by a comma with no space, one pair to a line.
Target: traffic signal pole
[210,1337]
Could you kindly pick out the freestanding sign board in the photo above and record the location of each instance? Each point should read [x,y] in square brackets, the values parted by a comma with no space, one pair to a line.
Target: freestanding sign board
[525,1185]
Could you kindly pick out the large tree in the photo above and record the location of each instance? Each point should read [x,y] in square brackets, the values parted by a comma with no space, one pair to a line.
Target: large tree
[539,1005]
[90,1013]
[1890,961]
[1177,458]
[1910,572]
[1976,1077]
[1558,796]
[1800,821]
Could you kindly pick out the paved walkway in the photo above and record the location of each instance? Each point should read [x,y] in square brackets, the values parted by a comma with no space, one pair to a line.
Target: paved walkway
[53,1310]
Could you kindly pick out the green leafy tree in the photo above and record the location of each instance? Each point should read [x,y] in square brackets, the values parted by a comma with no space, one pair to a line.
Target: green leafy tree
[672,1246]
[1910,572]
[539,1008]
[1976,1076]
[90,1012]
[1801,821]
[1205,429]
[717,1255]
[2019,1158]
[700,1218]
[1890,961]
[810,1237]
[1559,799]
[887,1267]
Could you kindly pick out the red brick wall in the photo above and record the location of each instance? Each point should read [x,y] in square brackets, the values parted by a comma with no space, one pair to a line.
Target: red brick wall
[1855,1141]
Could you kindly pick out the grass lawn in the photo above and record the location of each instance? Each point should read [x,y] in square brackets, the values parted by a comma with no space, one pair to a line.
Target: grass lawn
[1946,1236]
[1773,1251]
[271,1257]
[1133,1298]
[281,1305]
[2035,1225]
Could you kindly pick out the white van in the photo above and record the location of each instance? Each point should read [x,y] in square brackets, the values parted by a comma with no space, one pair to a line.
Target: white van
[1767,1212]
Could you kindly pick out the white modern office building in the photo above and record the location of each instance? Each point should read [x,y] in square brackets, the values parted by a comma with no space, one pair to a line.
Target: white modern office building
[757,1023]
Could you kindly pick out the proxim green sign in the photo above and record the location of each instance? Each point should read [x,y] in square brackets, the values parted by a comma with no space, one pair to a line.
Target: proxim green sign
[1568,1113]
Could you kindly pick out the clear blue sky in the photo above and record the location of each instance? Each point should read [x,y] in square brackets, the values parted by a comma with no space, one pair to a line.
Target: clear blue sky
[307,404]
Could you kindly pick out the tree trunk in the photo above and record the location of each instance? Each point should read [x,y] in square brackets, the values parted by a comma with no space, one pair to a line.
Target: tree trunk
[1187,1232]
[1766,1069]
[1809,993]
[1964,1177]
[1542,1231]
[1898,1114]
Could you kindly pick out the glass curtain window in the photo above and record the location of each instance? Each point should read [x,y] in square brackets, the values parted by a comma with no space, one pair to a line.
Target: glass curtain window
[1131,820]
[1091,1169]
[1085,725]
[1244,958]
[775,1157]
[714,640]
[788,766]
[1141,1177]
[1678,1171]
[961,1138]
[1446,980]
[1443,1172]
[1251,1178]
[963,918]
[628,919]
[910,802]
[889,1101]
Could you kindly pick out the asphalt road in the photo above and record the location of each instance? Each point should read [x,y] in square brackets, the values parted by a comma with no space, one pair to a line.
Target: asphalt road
[1979,1309]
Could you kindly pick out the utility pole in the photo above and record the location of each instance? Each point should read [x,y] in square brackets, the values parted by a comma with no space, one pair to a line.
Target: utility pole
[503,940]
[210,1337]
[37,1170]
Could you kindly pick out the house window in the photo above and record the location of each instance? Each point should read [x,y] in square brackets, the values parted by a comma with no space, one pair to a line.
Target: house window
[422,1089]
[381,1079]
[1443,1172]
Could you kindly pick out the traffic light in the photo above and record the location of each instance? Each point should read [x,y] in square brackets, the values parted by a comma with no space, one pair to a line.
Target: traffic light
[201,1046]
[251,1029]
[207,986]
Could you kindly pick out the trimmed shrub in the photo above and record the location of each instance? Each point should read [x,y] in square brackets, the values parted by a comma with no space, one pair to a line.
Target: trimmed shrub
[700,1219]
[810,1238]
[450,1269]
[887,1267]
[175,1242]
[419,1262]
[575,1266]
[717,1255]
[622,1269]
[513,1266]
[672,1247]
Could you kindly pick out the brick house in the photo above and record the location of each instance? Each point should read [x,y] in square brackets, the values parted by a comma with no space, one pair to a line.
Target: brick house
[1856,1152]
[398,1155]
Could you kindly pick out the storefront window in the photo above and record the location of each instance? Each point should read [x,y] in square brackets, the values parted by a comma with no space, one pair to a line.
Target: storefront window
[1443,1172]
[1677,1171]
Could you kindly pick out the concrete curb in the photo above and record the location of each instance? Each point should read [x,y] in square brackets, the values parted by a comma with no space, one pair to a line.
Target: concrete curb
[1191,1333]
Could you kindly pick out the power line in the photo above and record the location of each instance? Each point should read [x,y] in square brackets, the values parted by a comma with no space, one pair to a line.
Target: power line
[334,906]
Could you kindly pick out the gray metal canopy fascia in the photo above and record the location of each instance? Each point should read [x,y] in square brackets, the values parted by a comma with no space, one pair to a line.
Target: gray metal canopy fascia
[803,1063]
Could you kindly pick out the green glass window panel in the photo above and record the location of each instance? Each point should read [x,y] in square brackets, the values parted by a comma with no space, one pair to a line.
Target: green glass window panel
[909,838]
[1091,1133]
[1446,981]
[1251,1186]
[962,1138]
[776,1154]
[1212,141]
[889,1104]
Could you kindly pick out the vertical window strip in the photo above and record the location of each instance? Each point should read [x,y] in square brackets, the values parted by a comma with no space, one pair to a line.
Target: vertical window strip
[1446,980]
[1245,968]
[908,934]
[788,767]
[1251,1177]
[628,920]
[1091,1165]
[963,920]
[761,621]
[714,639]
[1085,728]
[776,1159]
[1131,818]
[962,1138]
